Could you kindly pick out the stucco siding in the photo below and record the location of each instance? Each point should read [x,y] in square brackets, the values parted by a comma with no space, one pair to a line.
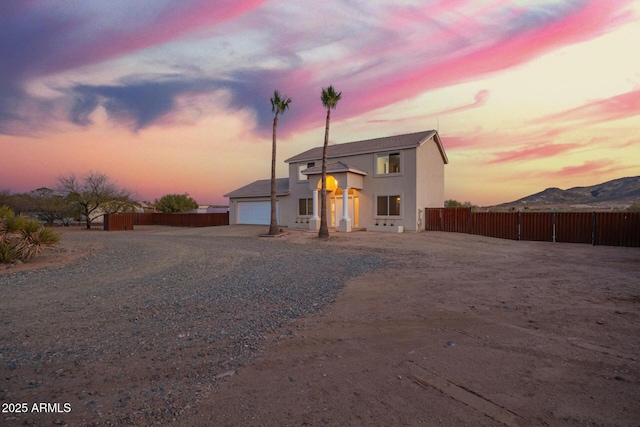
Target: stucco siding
[429,180]
[434,194]
[297,190]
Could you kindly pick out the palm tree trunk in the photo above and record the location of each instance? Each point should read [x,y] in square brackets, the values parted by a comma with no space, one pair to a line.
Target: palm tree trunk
[273,227]
[324,229]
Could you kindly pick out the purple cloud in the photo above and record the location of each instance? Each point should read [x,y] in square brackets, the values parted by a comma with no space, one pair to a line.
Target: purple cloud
[407,51]
[41,38]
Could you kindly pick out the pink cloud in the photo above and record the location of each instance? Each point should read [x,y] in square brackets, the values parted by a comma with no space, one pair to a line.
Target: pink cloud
[594,19]
[617,107]
[169,25]
[411,60]
[537,152]
[402,16]
[630,143]
[452,142]
[541,139]
[480,99]
[590,167]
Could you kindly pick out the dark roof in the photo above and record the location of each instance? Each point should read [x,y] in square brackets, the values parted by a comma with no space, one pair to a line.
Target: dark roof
[395,142]
[333,168]
[261,188]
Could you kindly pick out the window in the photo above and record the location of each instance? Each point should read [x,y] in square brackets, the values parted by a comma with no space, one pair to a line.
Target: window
[305,207]
[388,205]
[303,166]
[387,163]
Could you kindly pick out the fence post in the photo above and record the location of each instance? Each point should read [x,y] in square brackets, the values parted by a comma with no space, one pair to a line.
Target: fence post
[554,226]
[441,219]
[593,228]
[519,223]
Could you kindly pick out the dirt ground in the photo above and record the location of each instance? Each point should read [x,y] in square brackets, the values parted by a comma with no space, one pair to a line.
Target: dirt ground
[455,330]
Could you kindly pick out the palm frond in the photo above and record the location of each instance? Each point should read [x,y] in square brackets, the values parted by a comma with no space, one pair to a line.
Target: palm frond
[330,98]
[279,104]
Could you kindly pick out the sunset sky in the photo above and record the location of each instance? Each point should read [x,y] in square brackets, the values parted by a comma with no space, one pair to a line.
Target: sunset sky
[169,96]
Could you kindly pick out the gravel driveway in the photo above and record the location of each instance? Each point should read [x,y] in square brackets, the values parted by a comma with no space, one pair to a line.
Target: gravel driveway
[209,326]
[136,332]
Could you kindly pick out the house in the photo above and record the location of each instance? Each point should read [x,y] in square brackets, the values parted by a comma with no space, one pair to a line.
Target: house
[210,209]
[144,207]
[379,184]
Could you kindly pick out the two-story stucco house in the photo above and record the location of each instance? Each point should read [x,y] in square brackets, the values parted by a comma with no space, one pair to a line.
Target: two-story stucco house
[379,184]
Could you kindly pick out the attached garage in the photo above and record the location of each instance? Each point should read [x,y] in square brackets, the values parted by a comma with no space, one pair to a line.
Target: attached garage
[251,204]
[256,212]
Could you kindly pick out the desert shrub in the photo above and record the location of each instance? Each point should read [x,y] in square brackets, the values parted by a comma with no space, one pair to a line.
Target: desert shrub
[8,254]
[451,203]
[634,207]
[21,239]
[175,203]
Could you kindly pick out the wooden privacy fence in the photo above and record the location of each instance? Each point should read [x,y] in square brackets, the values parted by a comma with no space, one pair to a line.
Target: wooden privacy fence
[597,228]
[118,222]
[114,222]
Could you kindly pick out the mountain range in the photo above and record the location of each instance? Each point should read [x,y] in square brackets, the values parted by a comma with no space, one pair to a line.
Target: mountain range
[615,194]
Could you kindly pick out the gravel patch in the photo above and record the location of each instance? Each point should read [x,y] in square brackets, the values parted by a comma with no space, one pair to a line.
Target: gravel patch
[145,328]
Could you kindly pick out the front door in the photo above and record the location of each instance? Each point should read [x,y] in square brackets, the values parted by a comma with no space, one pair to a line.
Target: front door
[336,211]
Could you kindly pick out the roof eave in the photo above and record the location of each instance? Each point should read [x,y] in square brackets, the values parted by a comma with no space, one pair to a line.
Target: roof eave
[356,171]
[355,153]
[438,141]
[252,196]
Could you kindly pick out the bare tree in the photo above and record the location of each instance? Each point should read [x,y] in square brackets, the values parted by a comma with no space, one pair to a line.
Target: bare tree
[95,194]
[5,195]
[49,205]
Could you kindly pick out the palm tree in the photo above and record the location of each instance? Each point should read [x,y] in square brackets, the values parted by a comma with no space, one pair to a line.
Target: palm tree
[278,106]
[329,99]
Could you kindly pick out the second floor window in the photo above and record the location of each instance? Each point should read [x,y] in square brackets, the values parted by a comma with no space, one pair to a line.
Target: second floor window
[303,166]
[387,163]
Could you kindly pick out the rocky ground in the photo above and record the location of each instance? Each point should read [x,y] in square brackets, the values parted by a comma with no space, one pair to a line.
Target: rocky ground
[218,326]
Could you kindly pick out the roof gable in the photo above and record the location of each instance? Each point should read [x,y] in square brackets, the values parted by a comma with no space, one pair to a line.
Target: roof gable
[395,142]
[261,188]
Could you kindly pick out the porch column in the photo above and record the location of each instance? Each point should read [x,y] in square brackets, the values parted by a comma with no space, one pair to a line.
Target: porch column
[314,221]
[345,221]
[315,204]
[345,204]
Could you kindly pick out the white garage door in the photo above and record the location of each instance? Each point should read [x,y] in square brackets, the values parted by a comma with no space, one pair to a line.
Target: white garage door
[256,212]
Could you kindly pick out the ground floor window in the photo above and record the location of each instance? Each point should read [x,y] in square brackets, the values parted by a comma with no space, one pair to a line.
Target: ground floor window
[388,206]
[305,207]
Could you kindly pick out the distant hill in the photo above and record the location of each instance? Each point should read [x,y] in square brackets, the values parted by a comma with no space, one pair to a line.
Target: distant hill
[615,194]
